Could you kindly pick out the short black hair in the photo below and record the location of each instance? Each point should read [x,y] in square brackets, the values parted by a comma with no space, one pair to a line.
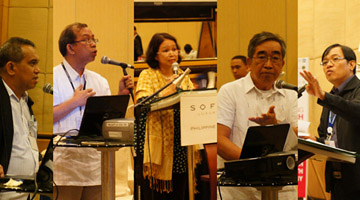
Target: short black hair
[153,48]
[68,36]
[263,37]
[241,57]
[188,48]
[349,54]
[11,50]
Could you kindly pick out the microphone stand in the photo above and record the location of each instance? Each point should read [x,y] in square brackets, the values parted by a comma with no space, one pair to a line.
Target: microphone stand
[154,94]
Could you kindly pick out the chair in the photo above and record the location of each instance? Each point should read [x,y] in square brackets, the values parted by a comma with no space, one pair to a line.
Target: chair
[211,156]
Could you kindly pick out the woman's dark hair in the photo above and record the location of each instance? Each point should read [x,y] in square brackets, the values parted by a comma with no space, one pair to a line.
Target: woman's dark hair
[153,49]
[349,54]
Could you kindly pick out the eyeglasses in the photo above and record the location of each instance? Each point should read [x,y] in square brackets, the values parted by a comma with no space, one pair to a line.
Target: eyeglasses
[167,51]
[88,41]
[334,60]
[275,59]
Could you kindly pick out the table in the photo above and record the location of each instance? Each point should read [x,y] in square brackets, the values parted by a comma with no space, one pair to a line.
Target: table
[108,149]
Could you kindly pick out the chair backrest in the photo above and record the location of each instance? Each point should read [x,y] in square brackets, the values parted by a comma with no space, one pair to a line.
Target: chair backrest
[211,156]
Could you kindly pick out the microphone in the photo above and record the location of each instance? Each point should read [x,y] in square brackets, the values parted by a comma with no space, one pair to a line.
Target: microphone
[175,67]
[48,88]
[280,84]
[301,90]
[106,60]
[178,81]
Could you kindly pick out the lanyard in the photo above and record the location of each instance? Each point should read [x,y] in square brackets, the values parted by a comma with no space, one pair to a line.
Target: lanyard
[330,131]
[72,85]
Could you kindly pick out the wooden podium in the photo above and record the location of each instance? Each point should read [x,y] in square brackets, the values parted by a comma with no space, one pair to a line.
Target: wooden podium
[309,148]
[194,107]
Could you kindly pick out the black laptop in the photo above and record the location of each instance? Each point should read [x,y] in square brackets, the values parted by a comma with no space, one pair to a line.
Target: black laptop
[263,140]
[97,110]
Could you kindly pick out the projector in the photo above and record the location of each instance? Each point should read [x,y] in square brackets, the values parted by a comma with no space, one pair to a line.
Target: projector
[271,167]
[121,129]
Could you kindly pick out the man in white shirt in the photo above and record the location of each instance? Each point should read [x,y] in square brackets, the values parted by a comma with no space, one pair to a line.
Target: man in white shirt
[77,171]
[253,100]
[19,72]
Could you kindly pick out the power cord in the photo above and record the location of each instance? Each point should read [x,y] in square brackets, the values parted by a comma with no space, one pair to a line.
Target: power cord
[57,191]
[63,135]
[222,173]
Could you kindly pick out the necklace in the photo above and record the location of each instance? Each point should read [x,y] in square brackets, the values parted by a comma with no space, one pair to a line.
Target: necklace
[166,77]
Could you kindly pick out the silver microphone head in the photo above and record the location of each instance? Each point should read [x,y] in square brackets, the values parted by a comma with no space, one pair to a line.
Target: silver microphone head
[48,88]
[105,60]
[175,67]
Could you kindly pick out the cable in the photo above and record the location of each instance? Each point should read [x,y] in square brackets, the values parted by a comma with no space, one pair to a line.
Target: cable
[57,191]
[36,187]
[222,173]
[63,135]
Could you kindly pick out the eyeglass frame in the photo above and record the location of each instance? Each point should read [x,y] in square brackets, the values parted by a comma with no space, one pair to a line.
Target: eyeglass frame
[267,59]
[332,61]
[88,41]
[177,51]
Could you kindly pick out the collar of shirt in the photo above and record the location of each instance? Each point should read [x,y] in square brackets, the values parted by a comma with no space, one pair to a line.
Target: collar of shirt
[12,94]
[72,73]
[249,86]
[342,86]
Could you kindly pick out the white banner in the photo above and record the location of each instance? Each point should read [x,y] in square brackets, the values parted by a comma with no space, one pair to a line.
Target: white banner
[198,118]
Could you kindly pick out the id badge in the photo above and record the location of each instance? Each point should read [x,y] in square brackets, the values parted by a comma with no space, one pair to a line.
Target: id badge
[330,143]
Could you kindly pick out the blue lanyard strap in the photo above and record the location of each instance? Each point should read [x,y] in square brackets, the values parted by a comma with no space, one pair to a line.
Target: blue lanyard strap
[332,117]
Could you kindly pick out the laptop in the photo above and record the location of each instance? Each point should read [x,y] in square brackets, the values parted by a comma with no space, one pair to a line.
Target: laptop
[97,110]
[263,140]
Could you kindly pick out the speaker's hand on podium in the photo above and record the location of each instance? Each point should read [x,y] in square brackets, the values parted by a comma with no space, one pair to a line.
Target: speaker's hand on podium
[308,137]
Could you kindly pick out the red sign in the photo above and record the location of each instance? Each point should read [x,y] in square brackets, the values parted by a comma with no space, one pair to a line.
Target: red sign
[302,180]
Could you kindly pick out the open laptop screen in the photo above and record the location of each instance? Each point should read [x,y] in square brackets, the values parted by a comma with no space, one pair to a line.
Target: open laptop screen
[101,108]
[263,140]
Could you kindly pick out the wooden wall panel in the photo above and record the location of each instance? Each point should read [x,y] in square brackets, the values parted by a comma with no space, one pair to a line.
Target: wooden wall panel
[33,20]
[239,20]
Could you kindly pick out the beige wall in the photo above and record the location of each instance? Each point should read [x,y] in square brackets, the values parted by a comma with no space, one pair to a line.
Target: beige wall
[322,23]
[112,23]
[32,19]
[239,20]
[184,32]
